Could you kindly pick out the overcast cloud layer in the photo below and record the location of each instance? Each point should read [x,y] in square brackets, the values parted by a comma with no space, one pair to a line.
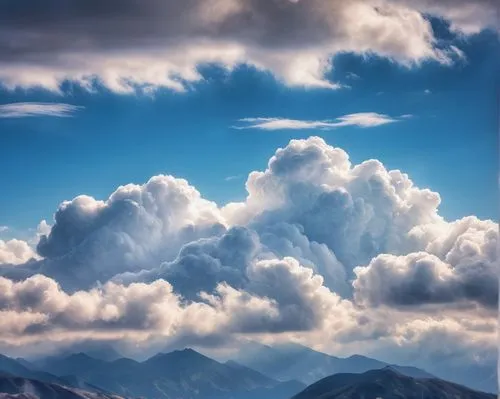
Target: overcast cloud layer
[160,43]
[346,258]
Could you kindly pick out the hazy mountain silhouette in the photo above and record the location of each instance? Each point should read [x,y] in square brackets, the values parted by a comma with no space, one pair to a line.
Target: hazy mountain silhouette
[185,374]
[297,362]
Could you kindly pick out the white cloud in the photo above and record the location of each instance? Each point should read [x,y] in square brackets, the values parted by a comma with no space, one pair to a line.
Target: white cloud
[466,17]
[278,265]
[352,76]
[3,229]
[162,43]
[233,177]
[15,252]
[360,119]
[22,110]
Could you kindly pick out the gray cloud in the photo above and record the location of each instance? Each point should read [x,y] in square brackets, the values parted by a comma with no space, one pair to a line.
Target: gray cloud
[423,279]
[149,44]
[459,265]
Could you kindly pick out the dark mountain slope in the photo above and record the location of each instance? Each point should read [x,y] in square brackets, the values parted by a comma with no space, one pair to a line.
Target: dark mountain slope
[388,384]
[13,367]
[17,387]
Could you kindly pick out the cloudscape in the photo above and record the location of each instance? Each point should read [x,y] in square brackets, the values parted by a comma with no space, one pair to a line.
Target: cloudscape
[252,180]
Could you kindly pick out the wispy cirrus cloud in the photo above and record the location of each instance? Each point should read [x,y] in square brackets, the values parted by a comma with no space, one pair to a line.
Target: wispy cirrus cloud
[30,109]
[360,119]
[233,177]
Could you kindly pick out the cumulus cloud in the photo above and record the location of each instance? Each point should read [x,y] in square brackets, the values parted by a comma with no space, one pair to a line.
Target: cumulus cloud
[420,278]
[334,254]
[23,110]
[356,211]
[361,119]
[137,227]
[459,265]
[37,306]
[15,252]
[161,43]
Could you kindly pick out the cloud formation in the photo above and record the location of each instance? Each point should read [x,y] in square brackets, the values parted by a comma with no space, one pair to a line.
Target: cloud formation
[155,44]
[23,110]
[15,252]
[337,255]
[361,119]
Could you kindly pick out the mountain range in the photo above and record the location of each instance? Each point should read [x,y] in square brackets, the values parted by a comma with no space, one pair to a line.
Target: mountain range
[183,374]
[261,373]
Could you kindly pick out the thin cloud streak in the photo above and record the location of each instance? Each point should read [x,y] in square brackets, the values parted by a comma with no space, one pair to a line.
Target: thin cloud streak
[360,119]
[32,109]
[234,177]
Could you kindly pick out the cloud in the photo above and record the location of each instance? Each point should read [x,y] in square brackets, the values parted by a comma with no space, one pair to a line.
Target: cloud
[3,229]
[234,177]
[459,266]
[161,44]
[420,278]
[23,110]
[37,306]
[352,76]
[15,252]
[465,16]
[360,119]
[340,256]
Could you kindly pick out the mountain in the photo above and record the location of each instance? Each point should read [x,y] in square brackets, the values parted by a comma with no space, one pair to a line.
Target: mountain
[480,377]
[74,364]
[13,387]
[183,374]
[280,390]
[297,362]
[387,383]
[10,366]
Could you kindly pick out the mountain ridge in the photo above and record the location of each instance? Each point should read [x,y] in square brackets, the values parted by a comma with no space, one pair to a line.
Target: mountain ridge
[387,383]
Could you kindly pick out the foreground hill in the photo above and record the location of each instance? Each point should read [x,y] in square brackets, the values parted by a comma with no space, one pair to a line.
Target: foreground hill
[12,387]
[388,384]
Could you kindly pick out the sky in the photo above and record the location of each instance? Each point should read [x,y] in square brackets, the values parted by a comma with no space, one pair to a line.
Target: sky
[346,148]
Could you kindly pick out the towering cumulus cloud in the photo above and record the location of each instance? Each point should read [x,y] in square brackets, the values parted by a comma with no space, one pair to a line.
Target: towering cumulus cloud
[337,255]
[160,43]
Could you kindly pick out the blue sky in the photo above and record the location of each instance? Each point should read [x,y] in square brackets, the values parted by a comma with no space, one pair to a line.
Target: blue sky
[449,145]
